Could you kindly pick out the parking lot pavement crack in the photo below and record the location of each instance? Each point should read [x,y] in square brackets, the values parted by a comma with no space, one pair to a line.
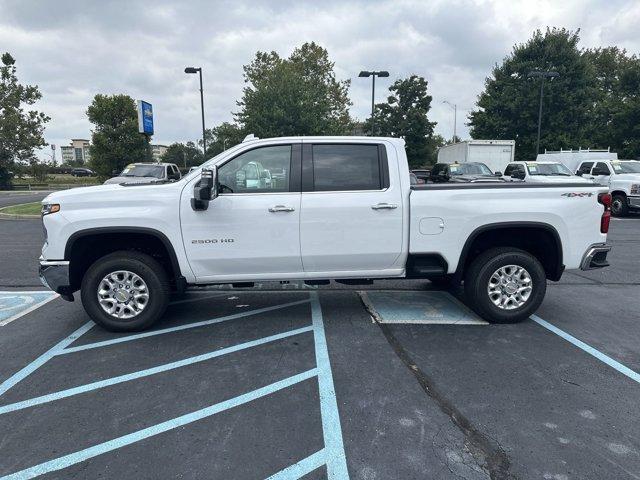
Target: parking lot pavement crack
[487,452]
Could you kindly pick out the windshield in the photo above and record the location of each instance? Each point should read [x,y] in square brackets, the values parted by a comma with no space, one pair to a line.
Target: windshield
[469,169]
[156,171]
[626,167]
[548,169]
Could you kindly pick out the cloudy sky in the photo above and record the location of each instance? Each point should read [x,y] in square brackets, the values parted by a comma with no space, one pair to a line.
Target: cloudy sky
[74,50]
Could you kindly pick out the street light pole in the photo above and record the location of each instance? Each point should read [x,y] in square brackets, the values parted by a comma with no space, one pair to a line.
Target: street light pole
[455,118]
[542,76]
[199,71]
[374,74]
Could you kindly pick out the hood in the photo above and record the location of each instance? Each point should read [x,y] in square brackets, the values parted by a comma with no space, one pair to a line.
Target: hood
[103,193]
[476,178]
[119,180]
[558,179]
[628,177]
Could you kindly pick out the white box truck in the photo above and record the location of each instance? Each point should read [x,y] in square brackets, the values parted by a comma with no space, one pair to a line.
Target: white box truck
[495,154]
[573,158]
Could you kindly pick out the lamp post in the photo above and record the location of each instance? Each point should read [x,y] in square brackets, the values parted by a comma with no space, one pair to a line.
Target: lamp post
[542,75]
[199,70]
[373,74]
[455,117]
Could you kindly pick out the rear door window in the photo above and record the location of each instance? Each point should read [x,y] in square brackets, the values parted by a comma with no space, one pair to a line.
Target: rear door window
[346,167]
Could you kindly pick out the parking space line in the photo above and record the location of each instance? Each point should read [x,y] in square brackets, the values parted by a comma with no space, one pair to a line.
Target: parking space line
[116,443]
[303,467]
[588,348]
[187,326]
[147,372]
[332,431]
[44,358]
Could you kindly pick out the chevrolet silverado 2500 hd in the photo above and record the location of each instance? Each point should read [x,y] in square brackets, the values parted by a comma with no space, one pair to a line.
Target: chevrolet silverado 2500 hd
[339,208]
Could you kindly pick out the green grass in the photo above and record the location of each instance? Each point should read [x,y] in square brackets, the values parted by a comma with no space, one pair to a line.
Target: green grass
[23,209]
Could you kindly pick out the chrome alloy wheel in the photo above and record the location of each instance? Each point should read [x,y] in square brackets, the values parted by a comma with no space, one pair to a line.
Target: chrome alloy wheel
[123,294]
[510,287]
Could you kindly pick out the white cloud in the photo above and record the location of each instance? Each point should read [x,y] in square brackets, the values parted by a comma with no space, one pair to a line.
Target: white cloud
[73,51]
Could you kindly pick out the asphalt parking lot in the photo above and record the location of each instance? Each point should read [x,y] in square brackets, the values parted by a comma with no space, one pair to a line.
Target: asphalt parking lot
[394,381]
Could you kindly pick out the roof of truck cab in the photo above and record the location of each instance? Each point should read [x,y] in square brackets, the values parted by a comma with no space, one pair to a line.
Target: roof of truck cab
[337,138]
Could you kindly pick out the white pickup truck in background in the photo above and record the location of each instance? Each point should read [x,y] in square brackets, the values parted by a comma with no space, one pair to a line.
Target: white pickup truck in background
[334,208]
[621,177]
[541,172]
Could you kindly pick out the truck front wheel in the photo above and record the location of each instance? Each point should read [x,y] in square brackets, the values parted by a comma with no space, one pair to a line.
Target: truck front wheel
[619,206]
[505,285]
[125,291]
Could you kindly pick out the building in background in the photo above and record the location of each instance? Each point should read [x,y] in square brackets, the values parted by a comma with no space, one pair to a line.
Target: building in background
[157,151]
[76,153]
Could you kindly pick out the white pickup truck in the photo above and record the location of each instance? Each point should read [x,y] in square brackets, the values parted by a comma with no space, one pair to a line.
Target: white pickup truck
[339,208]
[622,177]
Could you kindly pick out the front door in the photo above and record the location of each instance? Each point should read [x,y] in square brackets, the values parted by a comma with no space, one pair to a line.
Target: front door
[600,173]
[352,212]
[251,230]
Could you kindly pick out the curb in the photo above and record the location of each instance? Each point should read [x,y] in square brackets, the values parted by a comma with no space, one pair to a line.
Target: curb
[15,216]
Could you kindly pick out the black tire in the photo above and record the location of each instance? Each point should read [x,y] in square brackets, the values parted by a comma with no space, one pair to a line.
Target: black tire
[479,273]
[619,206]
[148,269]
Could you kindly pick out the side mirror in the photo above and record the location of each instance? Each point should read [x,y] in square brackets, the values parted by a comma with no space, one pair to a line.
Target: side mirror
[579,173]
[518,175]
[206,189]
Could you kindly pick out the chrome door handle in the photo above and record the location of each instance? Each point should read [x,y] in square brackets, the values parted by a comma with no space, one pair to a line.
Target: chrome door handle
[281,208]
[384,206]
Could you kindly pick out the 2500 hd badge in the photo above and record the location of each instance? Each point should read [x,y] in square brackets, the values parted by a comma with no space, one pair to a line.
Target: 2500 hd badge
[214,240]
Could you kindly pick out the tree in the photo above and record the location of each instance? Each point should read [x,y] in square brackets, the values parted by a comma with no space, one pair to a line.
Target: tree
[21,132]
[616,117]
[219,138]
[298,95]
[405,114]
[508,107]
[115,141]
[184,155]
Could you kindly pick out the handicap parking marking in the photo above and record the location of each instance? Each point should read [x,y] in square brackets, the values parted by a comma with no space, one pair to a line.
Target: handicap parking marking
[415,307]
[14,305]
[332,454]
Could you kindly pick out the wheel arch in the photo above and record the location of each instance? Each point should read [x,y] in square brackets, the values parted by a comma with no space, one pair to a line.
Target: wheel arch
[507,234]
[85,246]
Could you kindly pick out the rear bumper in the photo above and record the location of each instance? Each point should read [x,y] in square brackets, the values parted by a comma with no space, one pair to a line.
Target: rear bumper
[54,274]
[595,257]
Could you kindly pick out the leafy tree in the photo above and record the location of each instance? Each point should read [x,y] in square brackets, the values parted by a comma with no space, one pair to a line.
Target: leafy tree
[184,155]
[405,114]
[508,107]
[20,131]
[616,118]
[219,138]
[115,141]
[298,95]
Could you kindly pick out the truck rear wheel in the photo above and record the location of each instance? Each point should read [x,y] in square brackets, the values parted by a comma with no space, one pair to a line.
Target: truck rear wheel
[125,291]
[505,285]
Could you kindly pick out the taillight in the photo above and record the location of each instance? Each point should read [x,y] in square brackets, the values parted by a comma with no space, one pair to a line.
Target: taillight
[605,220]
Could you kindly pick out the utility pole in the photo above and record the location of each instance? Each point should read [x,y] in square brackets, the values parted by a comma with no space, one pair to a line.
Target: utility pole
[455,118]
[199,71]
[374,74]
[542,75]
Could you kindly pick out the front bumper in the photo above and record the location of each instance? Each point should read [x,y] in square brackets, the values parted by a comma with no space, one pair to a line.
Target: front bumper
[595,257]
[634,202]
[54,274]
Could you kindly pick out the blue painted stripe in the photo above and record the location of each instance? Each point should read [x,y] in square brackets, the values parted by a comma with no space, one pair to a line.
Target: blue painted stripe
[589,349]
[332,431]
[145,373]
[44,358]
[187,326]
[116,443]
[301,468]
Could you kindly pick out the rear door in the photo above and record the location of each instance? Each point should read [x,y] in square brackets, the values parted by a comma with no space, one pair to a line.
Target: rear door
[351,208]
